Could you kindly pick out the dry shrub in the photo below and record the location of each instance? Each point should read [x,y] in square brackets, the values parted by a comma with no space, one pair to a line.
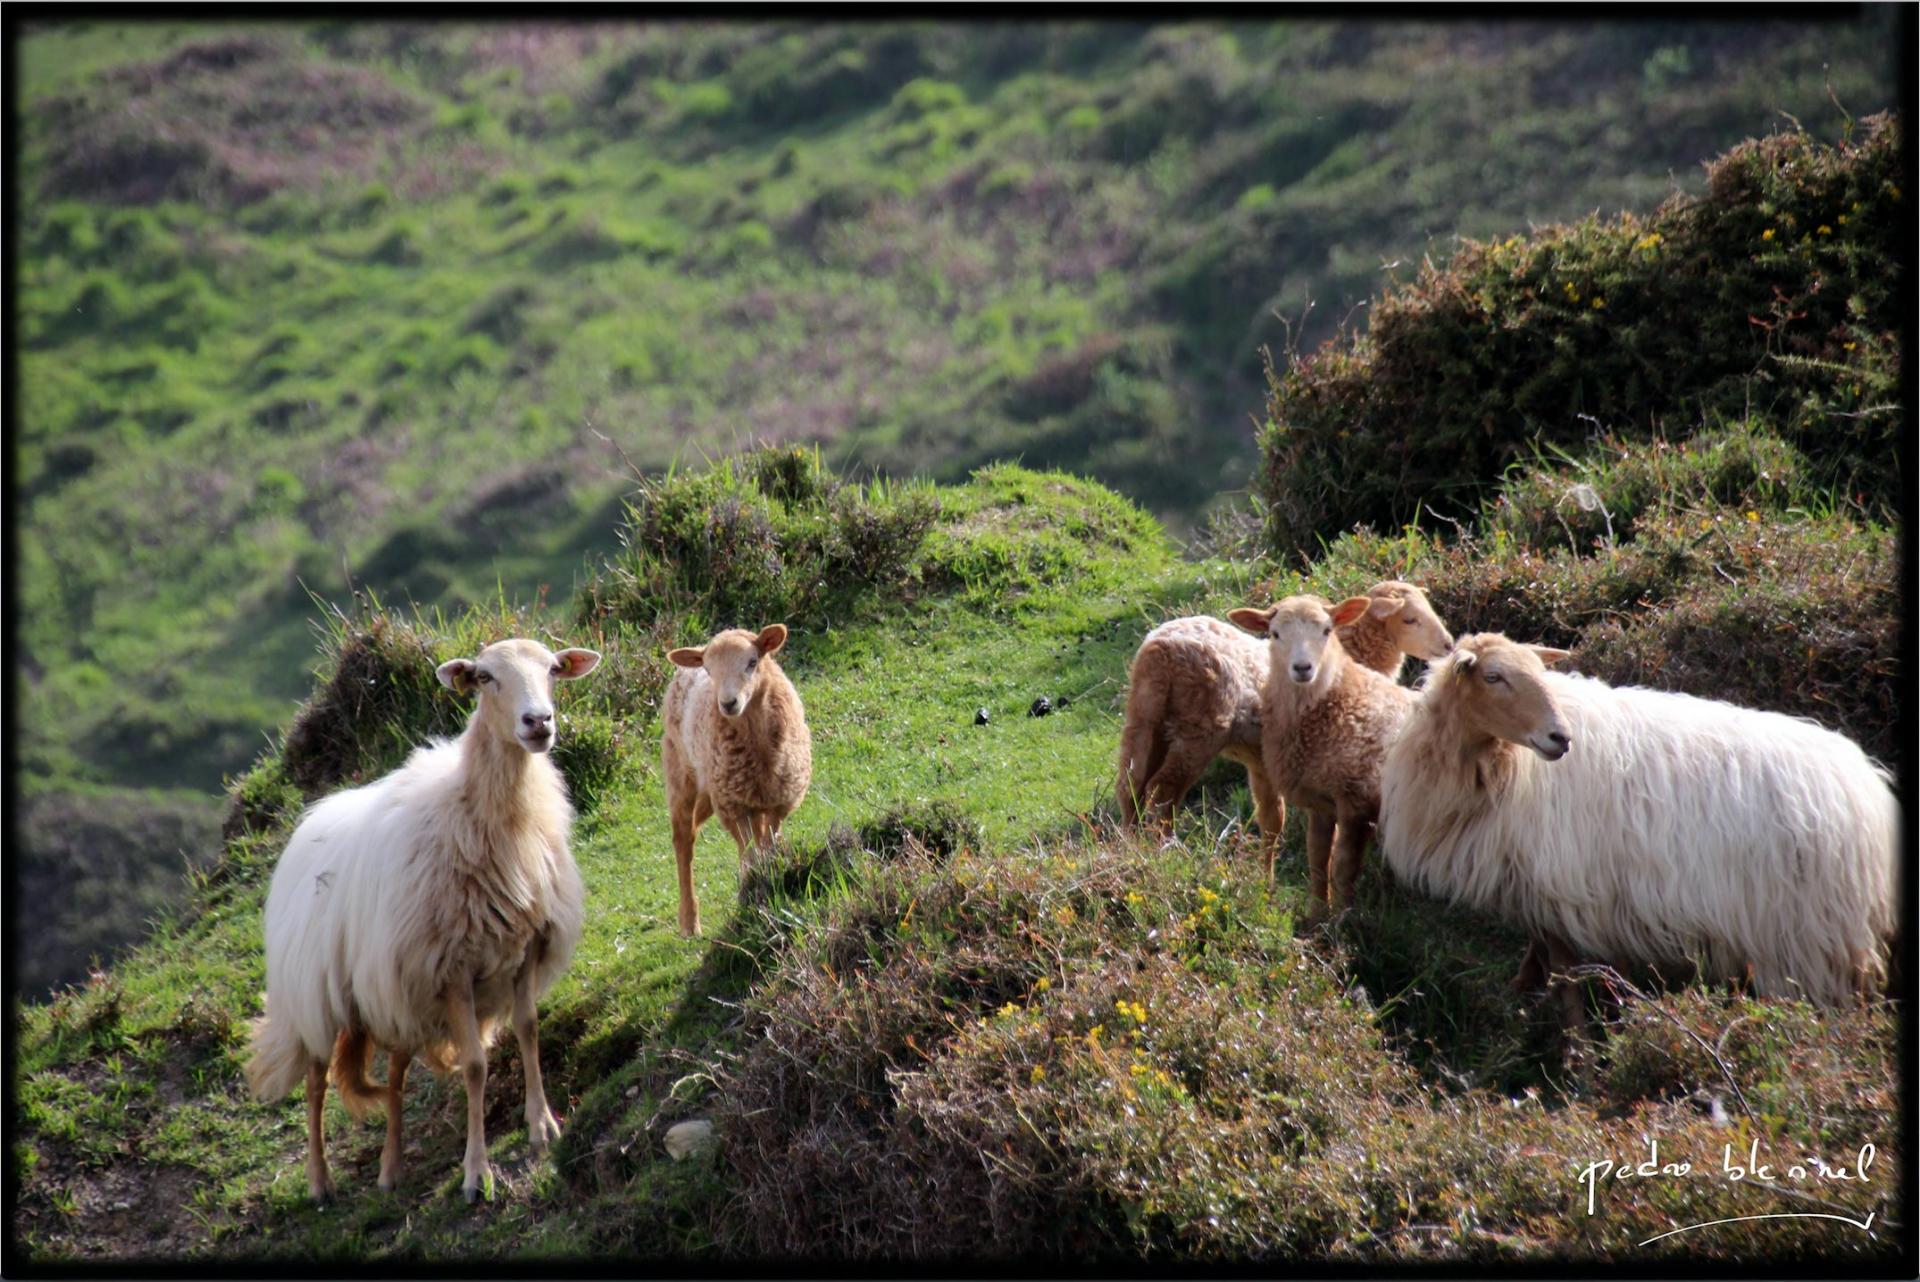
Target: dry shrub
[1105,1053]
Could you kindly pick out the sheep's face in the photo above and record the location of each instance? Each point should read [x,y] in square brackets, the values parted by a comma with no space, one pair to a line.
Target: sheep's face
[515,683]
[1503,693]
[1409,620]
[1300,628]
[732,663]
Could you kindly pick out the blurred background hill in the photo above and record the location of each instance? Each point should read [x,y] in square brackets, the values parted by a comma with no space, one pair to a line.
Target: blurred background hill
[304,309]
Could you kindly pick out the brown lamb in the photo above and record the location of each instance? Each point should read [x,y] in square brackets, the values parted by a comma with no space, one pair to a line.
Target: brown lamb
[1195,690]
[1326,724]
[735,744]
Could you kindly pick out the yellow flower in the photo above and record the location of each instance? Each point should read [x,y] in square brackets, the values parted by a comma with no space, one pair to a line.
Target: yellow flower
[1767,234]
[1009,1009]
[1752,515]
[1848,346]
[1039,1074]
[1825,230]
[1093,1034]
[1841,219]
[1599,303]
[1042,985]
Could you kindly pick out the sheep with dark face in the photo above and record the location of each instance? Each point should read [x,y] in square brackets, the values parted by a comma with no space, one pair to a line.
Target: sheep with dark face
[1636,826]
[420,912]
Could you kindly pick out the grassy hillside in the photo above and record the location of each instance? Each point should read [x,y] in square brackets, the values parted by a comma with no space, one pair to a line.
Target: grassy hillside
[958,998]
[305,307]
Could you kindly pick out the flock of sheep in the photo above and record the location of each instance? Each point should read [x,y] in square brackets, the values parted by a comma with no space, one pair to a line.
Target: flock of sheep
[420,913]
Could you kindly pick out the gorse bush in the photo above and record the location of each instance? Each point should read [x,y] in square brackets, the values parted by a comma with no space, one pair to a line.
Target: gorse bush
[1777,291]
[1095,1050]
[769,536]
[1711,567]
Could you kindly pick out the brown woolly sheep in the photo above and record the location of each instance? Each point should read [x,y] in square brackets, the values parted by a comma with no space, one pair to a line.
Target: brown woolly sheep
[735,744]
[1325,726]
[1195,689]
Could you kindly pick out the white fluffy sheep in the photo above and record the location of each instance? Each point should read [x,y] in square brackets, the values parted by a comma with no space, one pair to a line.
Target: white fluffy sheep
[734,743]
[1675,830]
[418,912]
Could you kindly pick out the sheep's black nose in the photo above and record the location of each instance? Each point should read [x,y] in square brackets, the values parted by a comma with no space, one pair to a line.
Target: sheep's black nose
[731,705]
[536,720]
[1303,668]
[1559,740]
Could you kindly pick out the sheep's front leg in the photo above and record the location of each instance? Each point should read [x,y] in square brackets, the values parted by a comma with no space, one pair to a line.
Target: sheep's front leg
[739,825]
[542,1128]
[1319,853]
[473,1060]
[687,816]
[1271,813]
[763,832]
[1573,1003]
[390,1164]
[318,1181]
[1349,848]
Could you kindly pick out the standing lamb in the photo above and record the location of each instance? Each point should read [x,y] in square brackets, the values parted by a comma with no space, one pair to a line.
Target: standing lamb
[735,744]
[1676,830]
[1325,723]
[1195,689]
[418,912]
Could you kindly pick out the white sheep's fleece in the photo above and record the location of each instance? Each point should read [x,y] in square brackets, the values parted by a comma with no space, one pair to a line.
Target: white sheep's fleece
[388,891]
[1677,829]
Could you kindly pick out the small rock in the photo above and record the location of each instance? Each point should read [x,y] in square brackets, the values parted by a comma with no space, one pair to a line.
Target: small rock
[981,717]
[687,1138]
[1040,707]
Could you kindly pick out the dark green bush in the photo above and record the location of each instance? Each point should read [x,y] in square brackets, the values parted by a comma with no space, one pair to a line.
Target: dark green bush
[768,536]
[1777,291]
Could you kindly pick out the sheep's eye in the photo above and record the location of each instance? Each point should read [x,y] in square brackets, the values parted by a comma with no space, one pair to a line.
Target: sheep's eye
[752,664]
[1326,632]
[554,670]
[1408,620]
[1494,677]
[483,677]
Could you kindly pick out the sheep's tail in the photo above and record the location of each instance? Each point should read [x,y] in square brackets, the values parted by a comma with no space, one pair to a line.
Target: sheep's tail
[279,1060]
[1139,741]
[352,1052]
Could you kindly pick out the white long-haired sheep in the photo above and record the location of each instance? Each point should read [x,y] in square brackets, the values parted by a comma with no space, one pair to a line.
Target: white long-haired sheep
[1632,825]
[418,912]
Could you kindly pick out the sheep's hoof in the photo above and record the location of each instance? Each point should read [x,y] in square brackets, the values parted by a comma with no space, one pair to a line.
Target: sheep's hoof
[321,1190]
[478,1187]
[541,1132]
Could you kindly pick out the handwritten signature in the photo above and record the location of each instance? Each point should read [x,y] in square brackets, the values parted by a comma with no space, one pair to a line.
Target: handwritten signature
[1746,1167]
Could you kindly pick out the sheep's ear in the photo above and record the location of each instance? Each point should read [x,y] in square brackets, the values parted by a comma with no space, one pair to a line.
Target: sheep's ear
[771,638]
[456,675]
[575,664]
[1382,606]
[1463,660]
[688,656]
[1254,621]
[1351,609]
[1549,655]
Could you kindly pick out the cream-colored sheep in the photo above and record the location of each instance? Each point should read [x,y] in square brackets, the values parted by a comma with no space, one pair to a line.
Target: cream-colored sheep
[1195,689]
[1325,723]
[735,744]
[418,912]
[1637,826]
